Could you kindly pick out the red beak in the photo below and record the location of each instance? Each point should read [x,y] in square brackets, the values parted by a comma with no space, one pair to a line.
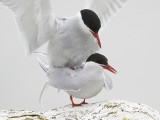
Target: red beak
[97,37]
[111,69]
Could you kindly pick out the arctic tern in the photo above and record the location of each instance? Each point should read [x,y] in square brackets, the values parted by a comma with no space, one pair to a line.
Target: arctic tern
[71,40]
[83,82]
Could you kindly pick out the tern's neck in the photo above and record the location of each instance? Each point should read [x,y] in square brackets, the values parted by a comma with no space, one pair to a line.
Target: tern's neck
[93,67]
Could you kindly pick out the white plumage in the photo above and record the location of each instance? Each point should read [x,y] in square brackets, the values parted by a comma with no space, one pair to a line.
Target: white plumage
[35,20]
[82,83]
[70,42]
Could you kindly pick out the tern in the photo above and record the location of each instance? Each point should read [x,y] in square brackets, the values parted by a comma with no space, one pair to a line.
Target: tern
[82,83]
[71,40]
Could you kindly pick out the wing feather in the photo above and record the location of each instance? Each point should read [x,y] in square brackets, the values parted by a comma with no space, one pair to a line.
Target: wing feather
[107,81]
[34,19]
[105,9]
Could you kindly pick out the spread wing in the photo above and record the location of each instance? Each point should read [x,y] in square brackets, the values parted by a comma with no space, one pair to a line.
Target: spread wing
[34,19]
[105,9]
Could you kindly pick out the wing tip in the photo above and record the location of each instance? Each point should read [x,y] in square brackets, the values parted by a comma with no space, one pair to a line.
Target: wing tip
[44,65]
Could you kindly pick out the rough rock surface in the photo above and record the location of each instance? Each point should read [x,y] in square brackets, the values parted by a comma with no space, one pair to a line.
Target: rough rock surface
[109,110]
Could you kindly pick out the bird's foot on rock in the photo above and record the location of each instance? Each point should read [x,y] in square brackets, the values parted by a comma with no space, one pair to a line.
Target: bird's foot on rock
[84,102]
[76,105]
[73,104]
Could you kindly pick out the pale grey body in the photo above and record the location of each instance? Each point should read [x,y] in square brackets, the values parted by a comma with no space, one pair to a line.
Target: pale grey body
[82,83]
[94,78]
[70,41]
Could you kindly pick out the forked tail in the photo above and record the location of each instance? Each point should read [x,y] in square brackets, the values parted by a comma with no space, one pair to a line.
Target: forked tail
[45,67]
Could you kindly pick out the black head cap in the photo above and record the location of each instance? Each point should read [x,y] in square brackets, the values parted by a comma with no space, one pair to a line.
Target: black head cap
[91,20]
[98,58]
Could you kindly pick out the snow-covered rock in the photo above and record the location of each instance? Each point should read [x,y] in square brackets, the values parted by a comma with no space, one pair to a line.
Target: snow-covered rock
[108,110]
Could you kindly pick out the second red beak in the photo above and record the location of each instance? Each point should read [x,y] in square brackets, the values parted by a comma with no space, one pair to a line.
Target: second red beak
[110,68]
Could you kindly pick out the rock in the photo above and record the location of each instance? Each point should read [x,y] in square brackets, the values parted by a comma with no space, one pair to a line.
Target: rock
[109,110]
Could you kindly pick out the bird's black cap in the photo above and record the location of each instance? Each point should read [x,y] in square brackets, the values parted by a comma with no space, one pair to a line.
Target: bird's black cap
[91,20]
[98,58]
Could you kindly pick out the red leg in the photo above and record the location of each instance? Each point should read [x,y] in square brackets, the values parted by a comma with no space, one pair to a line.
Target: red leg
[71,98]
[84,102]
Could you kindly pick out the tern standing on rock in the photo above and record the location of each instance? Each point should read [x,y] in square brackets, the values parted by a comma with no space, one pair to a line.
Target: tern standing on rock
[71,40]
[83,82]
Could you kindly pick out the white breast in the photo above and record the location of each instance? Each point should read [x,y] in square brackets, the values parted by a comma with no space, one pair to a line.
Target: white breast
[71,44]
[92,74]
[89,90]
[81,83]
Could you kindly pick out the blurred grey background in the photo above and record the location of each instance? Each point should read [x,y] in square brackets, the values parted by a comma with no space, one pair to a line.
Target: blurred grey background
[131,42]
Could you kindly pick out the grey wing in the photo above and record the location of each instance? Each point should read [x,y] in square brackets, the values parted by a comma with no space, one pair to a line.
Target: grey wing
[65,79]
[105,9]
[61,78]
[35,20]
[74,80]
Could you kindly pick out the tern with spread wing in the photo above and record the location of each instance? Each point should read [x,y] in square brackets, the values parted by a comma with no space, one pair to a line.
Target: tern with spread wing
[71,40]
[83,82]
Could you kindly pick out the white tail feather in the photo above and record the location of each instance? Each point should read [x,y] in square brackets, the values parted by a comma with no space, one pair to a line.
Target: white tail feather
[42,92]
